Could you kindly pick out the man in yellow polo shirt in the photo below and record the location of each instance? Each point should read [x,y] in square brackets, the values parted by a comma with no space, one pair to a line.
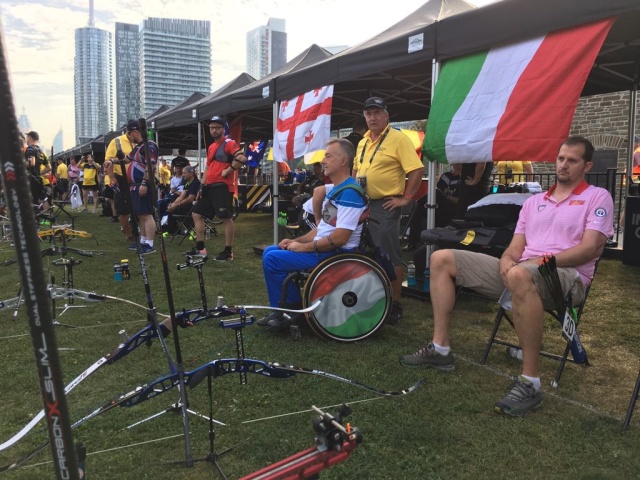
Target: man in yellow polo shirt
[62,174]
[120,146]
[384,158]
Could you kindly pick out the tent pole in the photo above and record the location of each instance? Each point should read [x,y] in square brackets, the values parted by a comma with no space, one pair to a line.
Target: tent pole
[199,148]
[274,177]
[431,176]
[633,99]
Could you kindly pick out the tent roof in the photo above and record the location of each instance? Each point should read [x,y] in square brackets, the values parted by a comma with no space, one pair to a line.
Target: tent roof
[378,61]
[180,114]
[511,21]
[259,96]
[184,132]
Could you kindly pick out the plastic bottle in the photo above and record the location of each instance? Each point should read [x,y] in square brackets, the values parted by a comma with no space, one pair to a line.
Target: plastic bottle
[282,218]
[515,352]
[411,275]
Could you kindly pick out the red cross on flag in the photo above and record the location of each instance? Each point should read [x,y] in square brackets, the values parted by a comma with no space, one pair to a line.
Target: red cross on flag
[303,124]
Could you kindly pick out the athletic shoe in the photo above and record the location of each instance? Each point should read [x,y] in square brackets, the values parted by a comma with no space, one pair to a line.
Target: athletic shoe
[133,246]
[224,256]
[395,314]
[195,251]
[146,249]
[264,321]
[429,358]
[521,398]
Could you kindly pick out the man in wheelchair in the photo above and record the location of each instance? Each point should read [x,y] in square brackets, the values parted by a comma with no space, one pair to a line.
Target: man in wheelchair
[571,221]
[338,231]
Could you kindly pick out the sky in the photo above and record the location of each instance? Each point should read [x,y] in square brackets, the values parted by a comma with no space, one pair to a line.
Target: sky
[39,37]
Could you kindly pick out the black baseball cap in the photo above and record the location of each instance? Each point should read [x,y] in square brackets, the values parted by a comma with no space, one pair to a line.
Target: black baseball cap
[375,102]
[33,135]
[132,125]
[217,119]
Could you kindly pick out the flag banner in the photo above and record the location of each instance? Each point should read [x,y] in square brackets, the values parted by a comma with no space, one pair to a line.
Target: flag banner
[255,153]
[514,102]
[304,124]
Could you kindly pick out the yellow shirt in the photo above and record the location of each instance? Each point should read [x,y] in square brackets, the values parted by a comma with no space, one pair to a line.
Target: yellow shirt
[517,171]
[62,171]
[110,154]
[395,157]
[165,175]
[45,177]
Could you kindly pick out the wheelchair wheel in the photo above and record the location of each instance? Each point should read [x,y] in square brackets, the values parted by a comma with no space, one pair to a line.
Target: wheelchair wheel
[356,297]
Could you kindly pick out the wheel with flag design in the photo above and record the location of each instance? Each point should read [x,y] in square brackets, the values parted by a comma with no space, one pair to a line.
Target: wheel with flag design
[356,297]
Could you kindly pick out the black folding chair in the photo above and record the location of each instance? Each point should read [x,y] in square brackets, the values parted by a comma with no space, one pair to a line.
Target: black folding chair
[575,345]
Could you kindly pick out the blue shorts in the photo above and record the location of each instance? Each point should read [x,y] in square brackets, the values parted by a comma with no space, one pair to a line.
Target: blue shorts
[141,205]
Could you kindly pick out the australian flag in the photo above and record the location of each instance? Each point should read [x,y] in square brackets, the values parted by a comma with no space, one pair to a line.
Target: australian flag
[255,153]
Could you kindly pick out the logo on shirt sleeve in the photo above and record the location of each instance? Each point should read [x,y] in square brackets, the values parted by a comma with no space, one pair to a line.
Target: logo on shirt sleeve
[600,212]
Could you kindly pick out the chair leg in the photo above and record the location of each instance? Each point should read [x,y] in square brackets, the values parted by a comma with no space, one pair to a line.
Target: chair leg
[632,404]
[494,332]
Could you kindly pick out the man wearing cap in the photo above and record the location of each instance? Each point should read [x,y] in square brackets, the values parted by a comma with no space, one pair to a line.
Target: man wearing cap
[384,158]
[224,157]
[37,166]
[117,150]
[138,177]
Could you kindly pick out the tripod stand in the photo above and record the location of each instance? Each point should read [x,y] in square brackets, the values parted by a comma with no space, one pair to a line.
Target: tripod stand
[67,291]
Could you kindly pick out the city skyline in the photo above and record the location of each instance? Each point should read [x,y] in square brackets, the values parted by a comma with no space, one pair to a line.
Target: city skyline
[41,56]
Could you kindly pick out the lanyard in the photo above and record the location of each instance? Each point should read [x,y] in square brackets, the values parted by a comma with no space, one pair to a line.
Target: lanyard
[376,150]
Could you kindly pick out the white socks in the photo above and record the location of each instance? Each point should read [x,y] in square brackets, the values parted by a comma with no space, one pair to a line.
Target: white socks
[440,349]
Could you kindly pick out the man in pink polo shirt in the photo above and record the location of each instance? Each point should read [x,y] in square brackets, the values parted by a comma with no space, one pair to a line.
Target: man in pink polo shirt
[571,221]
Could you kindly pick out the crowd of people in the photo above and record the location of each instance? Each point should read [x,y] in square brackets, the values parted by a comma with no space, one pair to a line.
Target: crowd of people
[376,172]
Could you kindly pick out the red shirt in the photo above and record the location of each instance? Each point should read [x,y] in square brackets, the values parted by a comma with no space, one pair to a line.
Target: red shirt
[215,167]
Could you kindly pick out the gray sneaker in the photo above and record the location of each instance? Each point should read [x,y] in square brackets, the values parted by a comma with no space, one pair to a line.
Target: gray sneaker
[264,321]
[428,357]
[521,398]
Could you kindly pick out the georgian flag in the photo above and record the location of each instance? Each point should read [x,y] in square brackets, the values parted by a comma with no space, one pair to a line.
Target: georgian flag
[303,124]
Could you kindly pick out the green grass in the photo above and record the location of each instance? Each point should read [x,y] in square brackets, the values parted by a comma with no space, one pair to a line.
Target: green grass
[446,429]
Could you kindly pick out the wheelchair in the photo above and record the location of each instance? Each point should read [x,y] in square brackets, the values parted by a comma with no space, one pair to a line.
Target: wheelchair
[355,292]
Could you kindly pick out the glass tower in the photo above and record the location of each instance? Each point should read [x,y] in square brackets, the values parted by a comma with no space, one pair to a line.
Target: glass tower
[175,61]
[266,48]
[93,83]
[127,73]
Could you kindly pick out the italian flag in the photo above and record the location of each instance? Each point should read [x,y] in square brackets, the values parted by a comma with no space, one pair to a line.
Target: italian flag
[514,102]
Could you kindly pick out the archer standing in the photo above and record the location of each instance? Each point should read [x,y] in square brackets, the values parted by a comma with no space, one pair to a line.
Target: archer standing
[384,158]
[219,185]
[37,166]
[138,177]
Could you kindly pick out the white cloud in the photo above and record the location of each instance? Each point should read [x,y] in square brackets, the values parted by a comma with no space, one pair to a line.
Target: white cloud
[40,40]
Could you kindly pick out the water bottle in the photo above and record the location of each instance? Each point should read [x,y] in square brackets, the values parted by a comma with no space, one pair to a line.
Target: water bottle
[411,275]
[282,218]
[426,287]
[515,352]
[117,272]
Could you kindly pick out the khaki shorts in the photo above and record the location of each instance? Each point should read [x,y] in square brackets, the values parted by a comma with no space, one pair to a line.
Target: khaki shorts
[481,273]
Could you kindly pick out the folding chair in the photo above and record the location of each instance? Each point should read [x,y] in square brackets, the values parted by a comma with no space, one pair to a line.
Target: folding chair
[184,226]
[632,404]
[579,354]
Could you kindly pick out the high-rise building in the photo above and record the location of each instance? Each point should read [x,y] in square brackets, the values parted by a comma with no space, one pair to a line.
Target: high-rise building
[175,61]
[266,48]
[24,123]
[127,73]
[58,141]
[93,83]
